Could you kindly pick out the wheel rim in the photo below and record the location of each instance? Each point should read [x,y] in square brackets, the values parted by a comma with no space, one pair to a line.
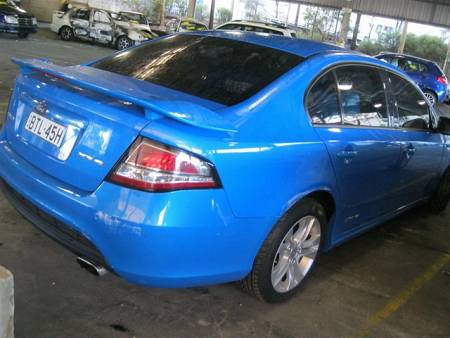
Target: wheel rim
[124,43]
[66,34]
[430,98]
[296,254]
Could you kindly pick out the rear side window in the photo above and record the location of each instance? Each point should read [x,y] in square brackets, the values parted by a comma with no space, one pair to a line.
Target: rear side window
[362,96]
[322,101]
[412,108]
[221,70]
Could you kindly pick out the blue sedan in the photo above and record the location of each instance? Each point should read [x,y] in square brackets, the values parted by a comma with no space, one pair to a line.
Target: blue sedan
[427,74]
[211,157]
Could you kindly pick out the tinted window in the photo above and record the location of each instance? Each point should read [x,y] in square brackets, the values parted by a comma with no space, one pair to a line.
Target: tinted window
[362,96]
[230,27]
[222,70]
[412,108]
[322,101]
[409,65]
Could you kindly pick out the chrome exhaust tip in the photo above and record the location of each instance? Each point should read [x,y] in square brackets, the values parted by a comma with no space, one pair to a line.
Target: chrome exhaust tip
[93,268]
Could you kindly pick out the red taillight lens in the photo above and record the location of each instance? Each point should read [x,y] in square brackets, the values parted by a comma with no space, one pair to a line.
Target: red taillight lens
[442,80]
[156,167]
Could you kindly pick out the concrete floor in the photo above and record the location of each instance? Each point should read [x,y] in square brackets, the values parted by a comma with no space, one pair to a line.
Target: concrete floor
[392,282]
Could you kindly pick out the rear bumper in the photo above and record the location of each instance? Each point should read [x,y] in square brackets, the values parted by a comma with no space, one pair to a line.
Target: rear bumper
[177,239]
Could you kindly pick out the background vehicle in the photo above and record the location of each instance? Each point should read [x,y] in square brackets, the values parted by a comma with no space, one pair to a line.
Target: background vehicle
[427,74]
[258,27]
[211,157]
[16,20]
[94,24]
[184,25]
[134,20]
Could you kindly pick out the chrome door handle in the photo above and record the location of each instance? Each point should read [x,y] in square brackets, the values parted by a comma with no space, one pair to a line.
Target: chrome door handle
[409,151]
[347,154]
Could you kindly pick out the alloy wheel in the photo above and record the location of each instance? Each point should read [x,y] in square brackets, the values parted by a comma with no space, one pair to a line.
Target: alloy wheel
[430,97]
[296,254]
[124,43]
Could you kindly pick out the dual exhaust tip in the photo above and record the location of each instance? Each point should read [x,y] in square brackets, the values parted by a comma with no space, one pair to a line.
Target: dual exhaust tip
[93,268]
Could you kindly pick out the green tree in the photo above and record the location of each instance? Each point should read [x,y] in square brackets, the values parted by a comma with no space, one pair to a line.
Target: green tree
[223,15]
[320,23]
[251,9]
[201,13]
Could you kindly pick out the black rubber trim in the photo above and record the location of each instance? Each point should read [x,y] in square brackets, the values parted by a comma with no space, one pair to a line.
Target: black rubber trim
[56,230]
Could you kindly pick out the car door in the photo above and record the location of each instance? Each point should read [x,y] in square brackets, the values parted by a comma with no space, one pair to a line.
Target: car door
[101,27]
[422,148]
[348,108]
[413,69]
[79,20]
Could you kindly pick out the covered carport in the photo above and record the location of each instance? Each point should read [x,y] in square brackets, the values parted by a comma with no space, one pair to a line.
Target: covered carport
[393,281]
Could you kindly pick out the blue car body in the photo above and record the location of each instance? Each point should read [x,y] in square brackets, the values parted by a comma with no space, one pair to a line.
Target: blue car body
[427,74]
[267,154]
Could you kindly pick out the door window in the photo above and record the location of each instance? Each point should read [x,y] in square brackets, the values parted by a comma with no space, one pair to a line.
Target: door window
[82,14]
[322,101]
[101,17]
[412,107]
[362,96]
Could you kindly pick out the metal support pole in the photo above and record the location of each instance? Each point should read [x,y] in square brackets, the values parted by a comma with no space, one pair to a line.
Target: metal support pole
[297,15]
[401,47]
[447,55]
[191,8]
[211,14]
[162,13]
[356,31]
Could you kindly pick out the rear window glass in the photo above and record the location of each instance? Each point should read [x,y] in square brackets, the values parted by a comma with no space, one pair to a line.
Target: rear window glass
[221,70]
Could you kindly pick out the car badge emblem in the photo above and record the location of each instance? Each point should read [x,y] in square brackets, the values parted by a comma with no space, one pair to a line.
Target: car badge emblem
[41,107]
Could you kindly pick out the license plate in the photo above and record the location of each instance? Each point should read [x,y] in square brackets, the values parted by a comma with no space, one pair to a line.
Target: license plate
[46,129]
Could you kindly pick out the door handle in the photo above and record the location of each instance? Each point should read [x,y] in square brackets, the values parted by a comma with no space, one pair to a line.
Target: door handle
[409,151]
[348,154]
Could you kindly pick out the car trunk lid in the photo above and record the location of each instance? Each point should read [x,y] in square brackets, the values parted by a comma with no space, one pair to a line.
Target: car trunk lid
[100,113]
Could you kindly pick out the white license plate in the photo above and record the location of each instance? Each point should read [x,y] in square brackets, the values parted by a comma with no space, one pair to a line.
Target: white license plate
[46,129]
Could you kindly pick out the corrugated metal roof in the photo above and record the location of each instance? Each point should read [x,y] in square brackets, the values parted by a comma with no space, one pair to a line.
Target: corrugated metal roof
[423,11]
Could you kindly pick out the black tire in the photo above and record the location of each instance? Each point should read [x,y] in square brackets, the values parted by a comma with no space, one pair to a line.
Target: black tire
[431,96]
[123,42]
[259,282]
[23,35]
[66,33]
[439,201]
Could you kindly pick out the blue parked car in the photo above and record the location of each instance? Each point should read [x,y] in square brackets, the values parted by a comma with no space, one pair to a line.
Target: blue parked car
[211,157]
[427,74]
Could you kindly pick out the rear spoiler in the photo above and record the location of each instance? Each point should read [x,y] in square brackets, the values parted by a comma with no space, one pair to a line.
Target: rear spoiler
[130,90]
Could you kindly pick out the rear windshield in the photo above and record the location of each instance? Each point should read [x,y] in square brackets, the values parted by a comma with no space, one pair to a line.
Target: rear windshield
[221,70]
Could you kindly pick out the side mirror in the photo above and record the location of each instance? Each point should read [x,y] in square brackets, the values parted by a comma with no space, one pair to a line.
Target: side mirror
[444,125]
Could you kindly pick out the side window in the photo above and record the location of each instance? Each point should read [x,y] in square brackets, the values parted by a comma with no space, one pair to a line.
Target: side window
[248,28]
[362,95]
[229,27]
[322,101]
[412,108]
[101,17]
[81,14]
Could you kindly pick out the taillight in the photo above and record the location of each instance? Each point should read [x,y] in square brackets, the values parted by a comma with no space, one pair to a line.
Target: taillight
[152,166]
[442,80]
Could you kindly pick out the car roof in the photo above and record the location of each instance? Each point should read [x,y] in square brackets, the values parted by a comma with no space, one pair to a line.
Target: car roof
[300,47]
[412,57]
[131,12]
[258,24]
